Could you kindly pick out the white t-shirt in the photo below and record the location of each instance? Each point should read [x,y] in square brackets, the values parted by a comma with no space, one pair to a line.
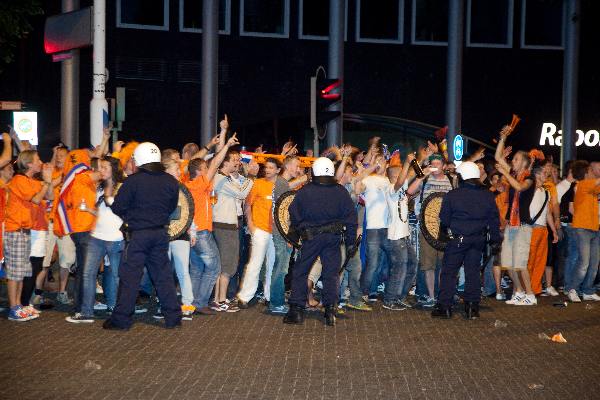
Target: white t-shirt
[108,224]
[561,188]
[374,195]
[536,205]
[398,207]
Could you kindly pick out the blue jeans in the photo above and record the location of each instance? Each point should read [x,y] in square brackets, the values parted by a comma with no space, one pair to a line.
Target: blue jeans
[280,269]
[80,239]
[571,256]
[398,256]
[352,279]
[96,250]
[586,269]
[205,267]
[411,272]
[489,283]
[179,253]
[378,245]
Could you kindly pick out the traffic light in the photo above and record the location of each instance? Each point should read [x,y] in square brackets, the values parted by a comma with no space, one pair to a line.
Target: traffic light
[323,93]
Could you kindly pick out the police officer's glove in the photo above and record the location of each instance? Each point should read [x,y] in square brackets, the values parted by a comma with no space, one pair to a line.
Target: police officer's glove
[495,247]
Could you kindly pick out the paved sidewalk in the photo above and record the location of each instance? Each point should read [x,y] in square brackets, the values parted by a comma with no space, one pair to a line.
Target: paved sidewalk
[250,355]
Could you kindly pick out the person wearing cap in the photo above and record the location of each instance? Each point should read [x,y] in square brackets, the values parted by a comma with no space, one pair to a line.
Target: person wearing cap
[321,213]
[468,214]
[145,202]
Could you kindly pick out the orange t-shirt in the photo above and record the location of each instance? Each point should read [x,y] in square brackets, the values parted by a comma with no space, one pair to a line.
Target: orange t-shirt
[39,216]
[21,190]
[260,199]
[82,188]
[200,188]
[585,204]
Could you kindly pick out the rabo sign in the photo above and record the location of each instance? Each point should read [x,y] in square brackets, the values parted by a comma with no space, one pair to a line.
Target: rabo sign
[547,138]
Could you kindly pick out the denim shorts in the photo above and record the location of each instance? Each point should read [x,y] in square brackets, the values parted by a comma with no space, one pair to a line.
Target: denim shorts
[515,247]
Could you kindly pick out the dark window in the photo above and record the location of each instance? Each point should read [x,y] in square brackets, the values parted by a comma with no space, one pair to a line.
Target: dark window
[379,19]
[543,22]
[489,21]
[431,20]
[143,12]
[192,14]
[264,16]
[315,17]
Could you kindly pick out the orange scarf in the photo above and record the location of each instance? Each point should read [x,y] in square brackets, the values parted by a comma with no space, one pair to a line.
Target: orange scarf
[514,218]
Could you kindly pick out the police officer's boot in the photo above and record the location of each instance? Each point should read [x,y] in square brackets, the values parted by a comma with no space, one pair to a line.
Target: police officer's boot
[471,310]
[330,315]
[295,315]
[441,311]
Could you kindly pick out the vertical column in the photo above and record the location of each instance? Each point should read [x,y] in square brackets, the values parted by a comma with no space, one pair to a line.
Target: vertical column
[98,105]
[456,12]
[210,65]
[568,150]
[335,68]
[69,91]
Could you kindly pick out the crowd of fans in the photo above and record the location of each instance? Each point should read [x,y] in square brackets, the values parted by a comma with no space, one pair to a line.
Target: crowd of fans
[59,214]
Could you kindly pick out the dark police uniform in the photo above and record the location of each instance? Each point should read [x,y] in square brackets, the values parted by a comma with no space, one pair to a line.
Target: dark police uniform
[144,202]
[320,212]
[469,212]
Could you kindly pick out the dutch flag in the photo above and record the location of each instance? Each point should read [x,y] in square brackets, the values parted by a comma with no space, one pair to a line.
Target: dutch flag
[246,156]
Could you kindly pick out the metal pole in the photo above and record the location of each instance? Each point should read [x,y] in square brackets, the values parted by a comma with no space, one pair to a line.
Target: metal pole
[336,66]
[69,91]
[98,105]
[456,12]
[210,71]
[568,150]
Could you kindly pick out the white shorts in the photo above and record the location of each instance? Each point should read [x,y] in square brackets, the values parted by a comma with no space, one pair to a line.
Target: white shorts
[66,249]
[39,241]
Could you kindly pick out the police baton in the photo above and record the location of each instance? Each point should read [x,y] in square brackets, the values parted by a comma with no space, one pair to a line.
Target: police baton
[351,254]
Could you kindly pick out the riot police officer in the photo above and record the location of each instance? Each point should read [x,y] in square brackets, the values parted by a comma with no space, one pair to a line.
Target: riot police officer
[321,213]
[145,202]
[468,214]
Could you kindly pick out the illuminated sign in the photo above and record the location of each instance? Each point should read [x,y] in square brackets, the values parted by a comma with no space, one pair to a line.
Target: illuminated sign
[550,136]
[458,147]
[25,125]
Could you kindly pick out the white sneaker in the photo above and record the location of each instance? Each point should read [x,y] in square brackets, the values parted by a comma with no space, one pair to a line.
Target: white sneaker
[500,296]
[516,297]
[528,300]
[98,306]
[591,297]
[551,291]
[573,297]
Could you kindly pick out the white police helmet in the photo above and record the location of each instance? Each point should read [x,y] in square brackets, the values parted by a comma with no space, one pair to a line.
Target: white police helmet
[323,166]
[468,170]
[146,153]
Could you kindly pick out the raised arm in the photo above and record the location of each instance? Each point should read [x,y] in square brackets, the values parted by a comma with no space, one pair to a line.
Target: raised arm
[102,149]
[6,150]
[518,186]
[499,155]
[216,162]
[404,173]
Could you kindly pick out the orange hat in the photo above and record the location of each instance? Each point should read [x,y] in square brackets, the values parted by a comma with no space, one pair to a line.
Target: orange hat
[76,157]
[126,153]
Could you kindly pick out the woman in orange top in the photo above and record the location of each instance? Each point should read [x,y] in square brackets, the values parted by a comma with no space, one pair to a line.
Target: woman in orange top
[39,237]
[23,193]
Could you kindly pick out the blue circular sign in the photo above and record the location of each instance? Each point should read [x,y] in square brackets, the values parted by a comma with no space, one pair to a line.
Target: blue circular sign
[458,147]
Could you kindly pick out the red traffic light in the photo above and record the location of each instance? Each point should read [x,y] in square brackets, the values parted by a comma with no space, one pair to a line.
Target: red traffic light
[326,91]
